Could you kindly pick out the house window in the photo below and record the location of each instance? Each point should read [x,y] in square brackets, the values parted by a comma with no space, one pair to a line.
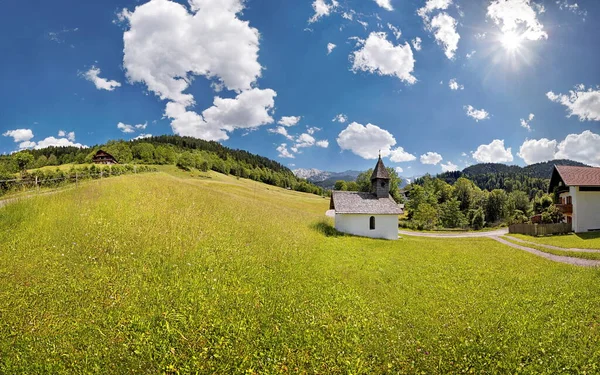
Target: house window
[372,223]
[589,188]
[569,200]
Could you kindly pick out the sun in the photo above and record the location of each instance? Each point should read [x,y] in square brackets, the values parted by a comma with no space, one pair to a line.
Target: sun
[511,41]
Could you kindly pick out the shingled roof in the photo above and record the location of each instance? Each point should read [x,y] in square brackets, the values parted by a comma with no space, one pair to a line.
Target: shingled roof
[350,202]
[575,176]
[380,171]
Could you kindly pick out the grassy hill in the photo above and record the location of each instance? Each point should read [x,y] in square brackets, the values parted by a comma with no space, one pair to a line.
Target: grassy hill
[175,272]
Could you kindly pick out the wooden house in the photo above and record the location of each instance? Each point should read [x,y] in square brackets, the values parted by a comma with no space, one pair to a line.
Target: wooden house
[103,157]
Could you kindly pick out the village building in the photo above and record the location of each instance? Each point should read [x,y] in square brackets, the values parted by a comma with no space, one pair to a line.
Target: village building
[373,214]
[578,190]
[103,157]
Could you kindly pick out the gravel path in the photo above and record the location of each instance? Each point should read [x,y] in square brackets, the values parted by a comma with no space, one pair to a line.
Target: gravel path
[551,247]
[495,233]
[552,257]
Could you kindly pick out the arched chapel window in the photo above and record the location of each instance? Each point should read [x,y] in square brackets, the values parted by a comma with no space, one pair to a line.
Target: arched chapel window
[372,223]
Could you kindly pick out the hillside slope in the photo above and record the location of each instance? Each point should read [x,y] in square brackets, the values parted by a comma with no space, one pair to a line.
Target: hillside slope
[168,273]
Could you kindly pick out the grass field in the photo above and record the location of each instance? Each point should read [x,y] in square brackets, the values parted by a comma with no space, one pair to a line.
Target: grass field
[565,252]
[168,273]
[589,240]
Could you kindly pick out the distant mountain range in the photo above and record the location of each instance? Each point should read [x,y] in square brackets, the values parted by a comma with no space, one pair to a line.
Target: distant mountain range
[327,179]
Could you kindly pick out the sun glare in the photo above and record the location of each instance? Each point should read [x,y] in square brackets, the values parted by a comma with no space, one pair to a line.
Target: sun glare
[511,41]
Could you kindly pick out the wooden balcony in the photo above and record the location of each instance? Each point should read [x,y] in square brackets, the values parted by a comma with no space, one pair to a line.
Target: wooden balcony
[566,209]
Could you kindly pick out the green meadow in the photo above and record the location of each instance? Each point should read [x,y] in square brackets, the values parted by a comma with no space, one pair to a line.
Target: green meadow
[179,273]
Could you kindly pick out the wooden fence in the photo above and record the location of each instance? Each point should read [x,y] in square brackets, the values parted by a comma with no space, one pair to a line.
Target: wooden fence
[541,229]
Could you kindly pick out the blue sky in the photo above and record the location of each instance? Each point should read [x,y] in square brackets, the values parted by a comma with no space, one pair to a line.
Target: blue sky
[435,85]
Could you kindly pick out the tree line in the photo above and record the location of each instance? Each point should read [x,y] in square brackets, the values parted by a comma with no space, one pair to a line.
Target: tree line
[185,152]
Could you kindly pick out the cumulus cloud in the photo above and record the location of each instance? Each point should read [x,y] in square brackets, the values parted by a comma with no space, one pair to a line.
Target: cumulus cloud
[289,120]
[444,29]
[525,122]
[517,17]
[93,75]
[167,45]
[284,152]
[443,26]
[380,56]
[322,8]
[367,141]
[495,152]
[125,128]
[396,31]
[584,148]
[57,142]
[19,135]
[322,144]
[432,158]
[585,104]
[330,47]
[477,114]
[70,135]
[142,136]
[341,118]
[416,43]
[399,170]
[449,167]
[536,151]
[454,85]
[385,4]
[398,155]
[283,131]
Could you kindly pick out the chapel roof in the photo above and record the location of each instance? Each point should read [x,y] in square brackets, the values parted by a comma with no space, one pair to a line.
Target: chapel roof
[380,172]
[351,202]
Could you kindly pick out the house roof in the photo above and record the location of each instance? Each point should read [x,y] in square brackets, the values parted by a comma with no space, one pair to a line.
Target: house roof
[350,202]
[575,176]
[380,172]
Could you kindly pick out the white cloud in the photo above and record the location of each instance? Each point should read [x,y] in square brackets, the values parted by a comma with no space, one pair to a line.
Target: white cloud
[580,102]
[416,43]
[471,54]
[385,4]
[398,155]
[463,154]
[445,33]
[366,141]
[399,170]
[284,152]
[313,130]
[57,142]
[432,5]
[250,109]
[141,126]
[62,133]
[480,36]
[322,9]
[432,158]
[19,135]
[396,31]
[380,56]
[323,143]
[26,145]
[572,7]
[305,140]
[289,120]
[443,26]
[142,136]
[477,114]
[517,17]
[341,118]
[493,153]
[525,122]
[167,45]
[449,167]
[454,85]
[124,128]
[330,47]
[536,151]
[93,75]
[283,131]
[584,148]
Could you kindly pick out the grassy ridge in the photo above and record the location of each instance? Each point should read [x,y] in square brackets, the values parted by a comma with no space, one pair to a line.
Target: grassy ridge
[168,274]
